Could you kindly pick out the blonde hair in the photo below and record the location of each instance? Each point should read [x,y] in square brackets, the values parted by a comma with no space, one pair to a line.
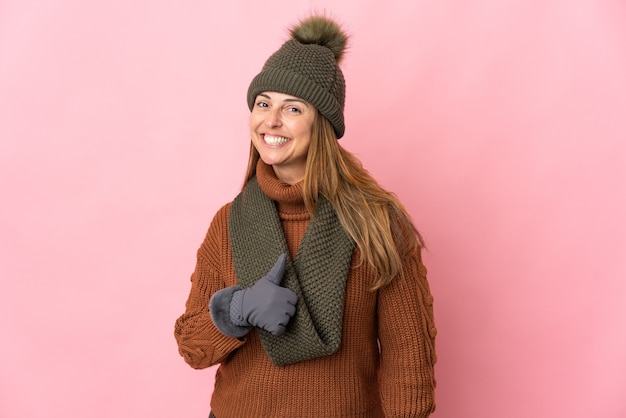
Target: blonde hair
[375,219]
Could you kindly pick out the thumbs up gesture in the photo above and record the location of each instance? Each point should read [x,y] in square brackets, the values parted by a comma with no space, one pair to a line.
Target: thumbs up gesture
[266,304]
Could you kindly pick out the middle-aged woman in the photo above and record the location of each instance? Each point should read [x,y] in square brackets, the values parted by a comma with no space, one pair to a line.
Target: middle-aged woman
[309,290]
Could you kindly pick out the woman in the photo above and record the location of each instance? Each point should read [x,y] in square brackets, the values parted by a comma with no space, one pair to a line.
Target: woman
[309,290]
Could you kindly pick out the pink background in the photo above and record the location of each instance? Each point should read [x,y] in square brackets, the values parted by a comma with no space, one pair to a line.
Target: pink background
[501,125]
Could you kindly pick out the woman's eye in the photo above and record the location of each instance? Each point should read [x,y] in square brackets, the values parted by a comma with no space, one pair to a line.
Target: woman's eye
[261,104]
[293,110]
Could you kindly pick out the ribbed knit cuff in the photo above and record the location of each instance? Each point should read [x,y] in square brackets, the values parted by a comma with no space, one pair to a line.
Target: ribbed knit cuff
[220,307]
[236,309]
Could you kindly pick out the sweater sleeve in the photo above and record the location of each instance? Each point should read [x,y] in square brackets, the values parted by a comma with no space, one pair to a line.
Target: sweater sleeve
[199,341]
[407,343]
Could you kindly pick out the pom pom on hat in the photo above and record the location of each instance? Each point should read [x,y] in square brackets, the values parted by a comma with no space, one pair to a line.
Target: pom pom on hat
[307,66]
[322,31]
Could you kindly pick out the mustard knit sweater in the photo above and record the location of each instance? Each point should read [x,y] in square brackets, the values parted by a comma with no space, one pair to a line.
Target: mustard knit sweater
[383,368]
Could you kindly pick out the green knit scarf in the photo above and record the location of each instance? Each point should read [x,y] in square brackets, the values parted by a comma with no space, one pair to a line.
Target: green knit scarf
[318,274]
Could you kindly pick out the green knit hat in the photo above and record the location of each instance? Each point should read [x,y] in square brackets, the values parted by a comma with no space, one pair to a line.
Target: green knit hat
[307,66]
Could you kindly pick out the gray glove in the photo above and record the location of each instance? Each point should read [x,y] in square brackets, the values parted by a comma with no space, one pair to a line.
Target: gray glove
[266,304]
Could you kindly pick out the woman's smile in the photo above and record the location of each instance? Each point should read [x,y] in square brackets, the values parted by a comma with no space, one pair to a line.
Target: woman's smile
[274,140]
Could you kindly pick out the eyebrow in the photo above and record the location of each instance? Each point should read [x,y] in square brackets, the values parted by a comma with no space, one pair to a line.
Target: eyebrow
[304,102]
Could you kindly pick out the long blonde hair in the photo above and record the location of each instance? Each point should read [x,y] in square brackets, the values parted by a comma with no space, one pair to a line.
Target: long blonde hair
[375,219]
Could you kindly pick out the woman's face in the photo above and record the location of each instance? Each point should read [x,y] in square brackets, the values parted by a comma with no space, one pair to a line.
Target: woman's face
[280,129]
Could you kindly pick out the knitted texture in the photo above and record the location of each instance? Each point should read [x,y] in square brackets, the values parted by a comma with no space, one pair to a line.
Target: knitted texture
[309,71]
[317,275]
[384,366]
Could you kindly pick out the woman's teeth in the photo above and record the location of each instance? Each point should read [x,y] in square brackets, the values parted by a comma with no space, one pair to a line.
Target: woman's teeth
[274,140]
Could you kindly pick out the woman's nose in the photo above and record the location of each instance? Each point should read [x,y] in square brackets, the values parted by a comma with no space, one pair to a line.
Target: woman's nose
[273,119]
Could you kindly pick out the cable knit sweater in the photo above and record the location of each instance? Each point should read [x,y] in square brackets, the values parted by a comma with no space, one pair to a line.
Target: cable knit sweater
[383,368]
